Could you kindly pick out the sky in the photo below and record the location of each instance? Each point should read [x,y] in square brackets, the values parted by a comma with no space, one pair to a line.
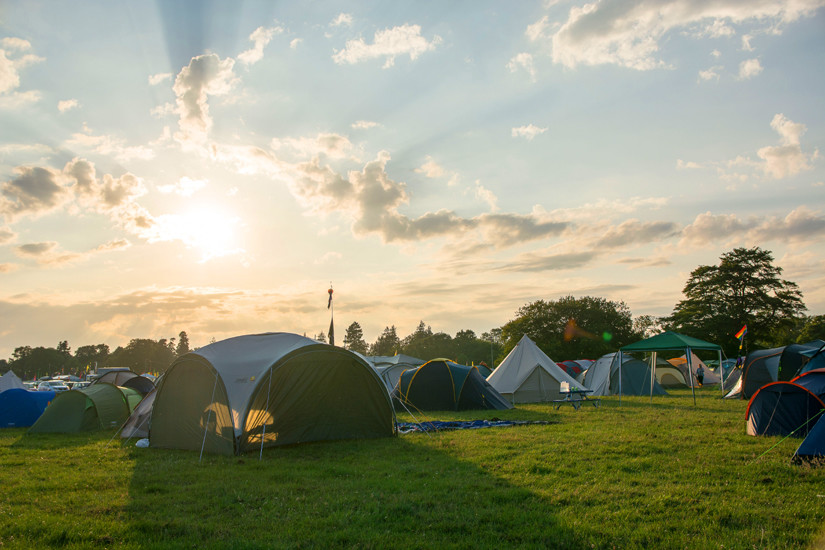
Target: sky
[213,167]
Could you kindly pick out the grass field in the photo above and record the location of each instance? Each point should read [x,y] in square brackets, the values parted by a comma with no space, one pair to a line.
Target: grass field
[639,475]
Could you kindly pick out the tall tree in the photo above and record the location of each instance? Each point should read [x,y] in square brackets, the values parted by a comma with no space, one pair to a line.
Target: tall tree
[572,328]
[183,343]
[354,338]
[744,289]
[28,362]
[91,355]
[387,343]
[812,329]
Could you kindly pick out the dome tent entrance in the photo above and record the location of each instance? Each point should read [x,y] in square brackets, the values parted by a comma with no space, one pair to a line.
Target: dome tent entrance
[262,390]
[670,341]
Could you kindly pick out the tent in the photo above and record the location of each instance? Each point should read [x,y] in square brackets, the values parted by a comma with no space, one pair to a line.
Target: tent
[262,390]
[100,406]
[771,365]
[442,385]
[669,376]
[19,407]
[10,381]
[391,367]
[812,448]
[127,379]
[139,421]
[710,378]
[603,377]
[671,341]
[528,375]
[783,408]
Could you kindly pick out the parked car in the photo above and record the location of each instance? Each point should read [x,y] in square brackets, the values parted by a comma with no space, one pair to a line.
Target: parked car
[52,385]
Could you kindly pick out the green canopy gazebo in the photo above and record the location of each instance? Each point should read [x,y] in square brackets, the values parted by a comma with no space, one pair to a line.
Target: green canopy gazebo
[670,341]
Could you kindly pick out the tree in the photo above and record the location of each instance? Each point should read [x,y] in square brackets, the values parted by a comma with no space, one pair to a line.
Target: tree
[91,356]
[572,328]
[387,343]
[647,325]
[812,329]
[354,339]
[142,355]
[28,362]
[321,337]
[744,289]
[183,344]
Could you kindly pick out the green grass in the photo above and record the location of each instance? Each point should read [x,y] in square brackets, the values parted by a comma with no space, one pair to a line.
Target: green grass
[639,475]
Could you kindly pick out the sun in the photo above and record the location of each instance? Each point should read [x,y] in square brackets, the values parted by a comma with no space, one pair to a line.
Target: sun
[209,229]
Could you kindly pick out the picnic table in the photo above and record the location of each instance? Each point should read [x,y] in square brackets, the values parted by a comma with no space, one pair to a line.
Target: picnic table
[575,396]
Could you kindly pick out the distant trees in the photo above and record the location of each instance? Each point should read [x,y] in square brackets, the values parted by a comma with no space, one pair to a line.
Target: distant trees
[813,328]
[387,343]
[745,288]
[142,355]
[28,362]
[572,328]
[91,356]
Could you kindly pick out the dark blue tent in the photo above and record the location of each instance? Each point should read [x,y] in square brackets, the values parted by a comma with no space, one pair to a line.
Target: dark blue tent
[19,408]
[442,385]
[813,448]
[783,408]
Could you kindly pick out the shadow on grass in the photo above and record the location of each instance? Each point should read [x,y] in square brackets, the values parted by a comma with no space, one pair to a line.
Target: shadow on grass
[400,491]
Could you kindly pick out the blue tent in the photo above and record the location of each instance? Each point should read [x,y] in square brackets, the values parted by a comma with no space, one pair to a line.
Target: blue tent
[813,447]
[19,408]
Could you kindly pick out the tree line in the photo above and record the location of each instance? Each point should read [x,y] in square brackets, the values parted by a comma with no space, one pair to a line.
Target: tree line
[745,288]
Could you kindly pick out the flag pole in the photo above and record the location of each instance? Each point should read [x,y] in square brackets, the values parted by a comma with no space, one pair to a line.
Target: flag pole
[331,309]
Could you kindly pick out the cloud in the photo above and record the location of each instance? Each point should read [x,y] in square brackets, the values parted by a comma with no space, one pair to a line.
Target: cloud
[34,192]
[800,225]
[522,61]
[364,124]
[710,74]
[7,235]
[538,262]
[204,76]
[387,43]
[343,20]
[295,43]
[8,268]
[786,159]
[67,105]
[371,199]
[329,257]
[260,37]
[530,131]
[49,253]
[331,145]
[13,57]
[635,232]
[155,79]
[749,69]
[628,32]
[431,169]
[485,195]
[109,145]
[185,187]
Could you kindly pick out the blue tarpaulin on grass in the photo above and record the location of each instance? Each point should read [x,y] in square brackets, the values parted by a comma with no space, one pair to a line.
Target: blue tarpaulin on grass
[437,425]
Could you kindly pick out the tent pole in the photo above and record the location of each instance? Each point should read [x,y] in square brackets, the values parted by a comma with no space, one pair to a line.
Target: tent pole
[722,372]
[208,416]
[688,353]
[653,375]
[263,432]
[620,378]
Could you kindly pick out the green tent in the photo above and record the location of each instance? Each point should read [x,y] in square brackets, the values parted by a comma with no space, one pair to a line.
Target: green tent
[100,406]
[671,341]
[262,390]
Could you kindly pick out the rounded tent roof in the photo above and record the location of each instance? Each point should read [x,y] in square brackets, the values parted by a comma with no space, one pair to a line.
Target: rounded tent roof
[246,358]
